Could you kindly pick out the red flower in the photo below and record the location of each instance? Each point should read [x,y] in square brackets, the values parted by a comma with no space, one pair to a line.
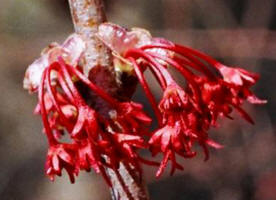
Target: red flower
[131,117]
[183,126]
[55,121]
[174,99]
[123,148]
[243,80]
[90,154]
[186,115]
[61,156]
[169,140]
[237,76]
[87,121]
[217,99]
[62,107]
[99,141]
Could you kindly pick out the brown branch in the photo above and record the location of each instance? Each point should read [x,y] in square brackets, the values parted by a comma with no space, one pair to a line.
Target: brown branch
[87,15]
[97,64]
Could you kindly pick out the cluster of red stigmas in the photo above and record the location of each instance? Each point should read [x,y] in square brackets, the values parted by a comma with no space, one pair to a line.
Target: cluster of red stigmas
[184,114]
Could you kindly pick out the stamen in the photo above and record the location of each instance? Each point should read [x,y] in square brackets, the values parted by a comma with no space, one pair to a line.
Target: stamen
[41,93]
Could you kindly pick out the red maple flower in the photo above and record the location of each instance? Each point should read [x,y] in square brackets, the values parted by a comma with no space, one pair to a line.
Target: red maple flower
[131,117]
[174,98]
[64,110]
[61,156]
[184,113]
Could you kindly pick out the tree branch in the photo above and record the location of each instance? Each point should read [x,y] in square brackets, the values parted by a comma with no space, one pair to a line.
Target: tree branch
[97,64]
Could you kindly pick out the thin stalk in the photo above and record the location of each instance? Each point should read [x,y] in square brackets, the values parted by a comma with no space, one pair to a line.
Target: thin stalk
[146,88]
[44,114]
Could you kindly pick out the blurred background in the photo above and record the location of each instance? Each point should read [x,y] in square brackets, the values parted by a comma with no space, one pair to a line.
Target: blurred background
[237,32]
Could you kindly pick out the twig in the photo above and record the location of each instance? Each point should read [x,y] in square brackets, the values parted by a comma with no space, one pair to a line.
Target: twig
[87,15]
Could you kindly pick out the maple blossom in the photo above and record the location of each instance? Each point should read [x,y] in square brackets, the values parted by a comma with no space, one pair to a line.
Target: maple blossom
[99,141]
[184,114]
[61,156]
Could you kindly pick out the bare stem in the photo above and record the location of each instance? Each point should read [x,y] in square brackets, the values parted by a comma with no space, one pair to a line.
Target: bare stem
[87,15]
[97,64]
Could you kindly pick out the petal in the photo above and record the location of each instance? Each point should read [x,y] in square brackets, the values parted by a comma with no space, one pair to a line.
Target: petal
[213,144]
[56,163]
[165,140]
[66,157]
[255,100]
[126,137]
[177,141]
[74,47]
[163,164]
[70,172]
[79,124]
[248,76]
[143,117]
[230,75]
[156,137]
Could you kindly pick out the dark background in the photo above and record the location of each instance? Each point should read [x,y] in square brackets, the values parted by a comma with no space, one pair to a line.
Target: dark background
[238,32]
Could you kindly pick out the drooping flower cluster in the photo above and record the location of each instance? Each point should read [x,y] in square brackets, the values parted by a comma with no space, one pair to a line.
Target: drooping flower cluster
[96,142]
[184,114]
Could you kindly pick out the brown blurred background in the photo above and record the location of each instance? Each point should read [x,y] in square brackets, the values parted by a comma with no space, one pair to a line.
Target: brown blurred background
[238,32]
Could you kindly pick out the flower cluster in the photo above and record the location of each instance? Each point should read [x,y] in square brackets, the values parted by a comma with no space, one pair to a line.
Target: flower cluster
[184,114]
[97,142]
